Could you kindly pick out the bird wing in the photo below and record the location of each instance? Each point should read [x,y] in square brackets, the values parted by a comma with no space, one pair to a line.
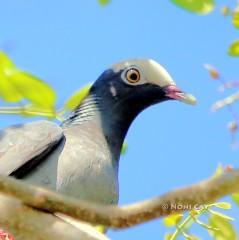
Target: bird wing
[26,145]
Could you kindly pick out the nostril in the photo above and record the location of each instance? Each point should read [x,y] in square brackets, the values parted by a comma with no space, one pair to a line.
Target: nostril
[172,89]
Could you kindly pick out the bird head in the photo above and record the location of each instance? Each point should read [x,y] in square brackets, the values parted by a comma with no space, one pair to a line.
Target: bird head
[133,85]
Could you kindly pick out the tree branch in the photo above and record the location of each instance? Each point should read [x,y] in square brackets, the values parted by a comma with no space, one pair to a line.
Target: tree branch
[26,223]
[176,201]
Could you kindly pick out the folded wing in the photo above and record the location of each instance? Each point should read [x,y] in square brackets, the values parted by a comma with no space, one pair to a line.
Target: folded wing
[24,146]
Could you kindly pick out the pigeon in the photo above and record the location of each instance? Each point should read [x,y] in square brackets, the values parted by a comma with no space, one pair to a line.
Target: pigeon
[80,158]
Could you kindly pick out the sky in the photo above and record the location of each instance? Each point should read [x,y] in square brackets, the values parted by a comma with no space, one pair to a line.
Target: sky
[69,43]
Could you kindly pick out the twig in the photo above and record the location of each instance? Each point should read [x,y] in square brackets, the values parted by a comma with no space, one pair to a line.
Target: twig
[26,110]
[227,85]
[176,201]
[226,101]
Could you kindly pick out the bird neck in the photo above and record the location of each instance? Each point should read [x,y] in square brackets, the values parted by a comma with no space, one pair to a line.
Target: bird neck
[106,119]
[86,111]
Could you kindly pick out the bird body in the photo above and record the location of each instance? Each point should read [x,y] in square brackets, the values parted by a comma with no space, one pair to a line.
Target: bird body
[81,163]
[80,158]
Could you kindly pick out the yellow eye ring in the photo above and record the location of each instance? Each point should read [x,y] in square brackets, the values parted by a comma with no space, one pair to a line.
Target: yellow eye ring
[132,75]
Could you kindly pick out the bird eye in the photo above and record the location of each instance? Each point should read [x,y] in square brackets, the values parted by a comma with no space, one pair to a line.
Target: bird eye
[133,75]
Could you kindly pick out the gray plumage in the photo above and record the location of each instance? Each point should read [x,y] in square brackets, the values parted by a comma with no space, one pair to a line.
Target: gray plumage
[21,143]
[81,157]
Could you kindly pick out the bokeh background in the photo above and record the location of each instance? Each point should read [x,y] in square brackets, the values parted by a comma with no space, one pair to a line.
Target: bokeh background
[69,43]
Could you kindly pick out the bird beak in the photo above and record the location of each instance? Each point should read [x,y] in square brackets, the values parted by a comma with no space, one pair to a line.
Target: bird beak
[173,92]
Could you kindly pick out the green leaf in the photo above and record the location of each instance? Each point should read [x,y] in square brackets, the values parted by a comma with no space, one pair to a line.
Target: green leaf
[225,229]
[33,89]
[100,228]
[5,62]
[77,97]
[221,215]
[16,85]
[235,18]
[219,171]
[8,92]
[168,236]
[172,220]
[235,198]
[222,205]
[234,49]
[204,225]
[124,148]
[225,11]
[103,2]
[201,7]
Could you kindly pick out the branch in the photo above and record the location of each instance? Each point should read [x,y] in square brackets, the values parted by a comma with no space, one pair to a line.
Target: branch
[176,201]
[226,101]
[25,223]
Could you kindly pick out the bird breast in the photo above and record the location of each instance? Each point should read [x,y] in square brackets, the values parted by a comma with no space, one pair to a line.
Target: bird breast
[85,167]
